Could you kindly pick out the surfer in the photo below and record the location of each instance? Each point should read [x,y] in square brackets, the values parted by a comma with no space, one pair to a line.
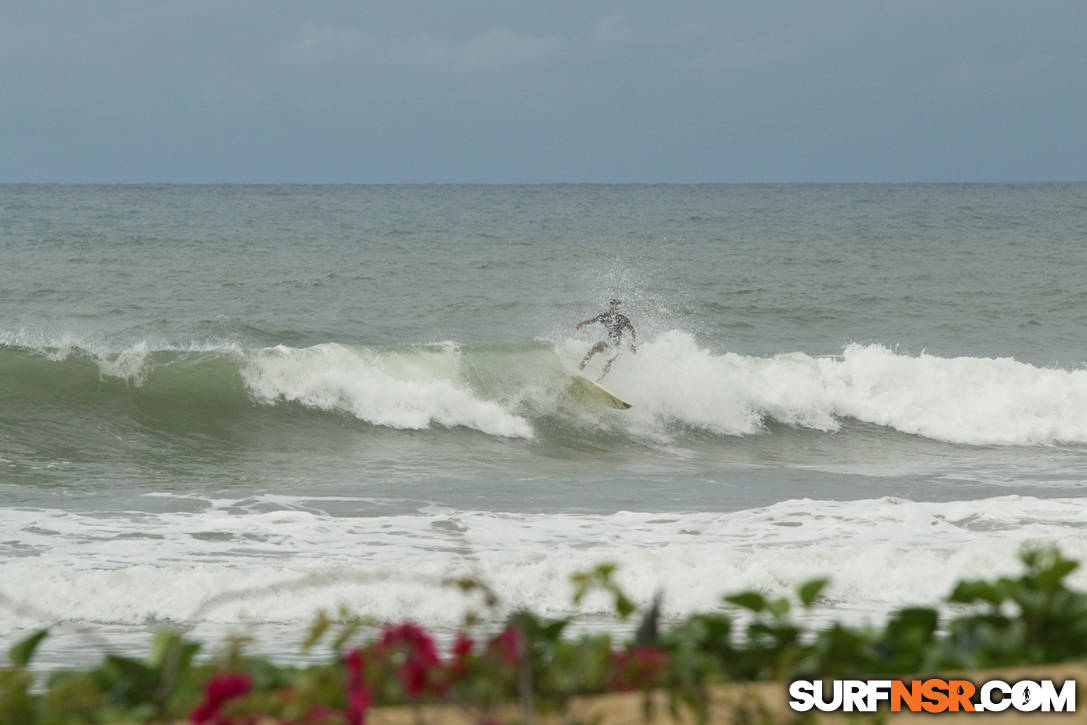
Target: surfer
[615,322]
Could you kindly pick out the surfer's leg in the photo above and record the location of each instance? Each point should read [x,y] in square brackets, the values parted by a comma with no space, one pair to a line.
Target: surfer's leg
[607,367]
[598,347]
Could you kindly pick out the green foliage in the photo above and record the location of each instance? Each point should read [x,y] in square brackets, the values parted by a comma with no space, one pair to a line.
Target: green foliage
[749,600]
[810,590]
[23,651]
[17,706]
[601,577]
[533,661]
[1031,619]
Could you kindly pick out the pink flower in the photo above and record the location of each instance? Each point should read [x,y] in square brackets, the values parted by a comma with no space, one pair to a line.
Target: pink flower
[458,666]
[421,656]
[221,688]
[358,702]
[508,644]
[639,667]
[462,647]
[355,664]
[411,635]
[358,696]
[415,676]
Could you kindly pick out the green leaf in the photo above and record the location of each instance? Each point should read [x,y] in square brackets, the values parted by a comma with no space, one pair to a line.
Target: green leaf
[975,590]
[128,681]
[605,570]
[810,590]
[127,668]
[1052,576]
[623,605]
[317,630]
[582,581]
[552,631]
[913,619]
[349,629]
[748,600]
[779,607]
[165,641]
[23,651]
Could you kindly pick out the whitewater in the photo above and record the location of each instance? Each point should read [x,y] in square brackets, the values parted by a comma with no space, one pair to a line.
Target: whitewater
[680,387]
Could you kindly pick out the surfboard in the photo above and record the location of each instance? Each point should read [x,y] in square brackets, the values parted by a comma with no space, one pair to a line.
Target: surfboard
[585,390]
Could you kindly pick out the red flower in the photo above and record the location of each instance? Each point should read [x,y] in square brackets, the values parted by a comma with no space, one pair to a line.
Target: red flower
[639,667]
[358,697]
[508,644]
[415,676]
[358,702]
[458,666]
[222,687]
[355,664]
[412,635]
[421,657]
[462,647]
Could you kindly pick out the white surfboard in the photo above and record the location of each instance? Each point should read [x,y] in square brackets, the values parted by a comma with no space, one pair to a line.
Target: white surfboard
[585,390]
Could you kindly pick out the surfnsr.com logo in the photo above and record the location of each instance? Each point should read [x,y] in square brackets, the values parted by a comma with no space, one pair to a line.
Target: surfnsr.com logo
[932,695]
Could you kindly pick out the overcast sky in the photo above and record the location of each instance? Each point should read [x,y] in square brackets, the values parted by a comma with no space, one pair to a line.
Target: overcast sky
[501,91]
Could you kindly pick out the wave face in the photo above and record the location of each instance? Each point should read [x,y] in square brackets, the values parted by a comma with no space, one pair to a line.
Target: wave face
[517,391]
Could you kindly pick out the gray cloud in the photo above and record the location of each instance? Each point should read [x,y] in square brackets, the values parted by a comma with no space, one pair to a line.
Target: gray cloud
[318,45]
[487,90]
[493,51]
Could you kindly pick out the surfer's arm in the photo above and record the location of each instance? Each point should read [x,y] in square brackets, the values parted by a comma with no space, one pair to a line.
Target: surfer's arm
[633,338]
[587,322]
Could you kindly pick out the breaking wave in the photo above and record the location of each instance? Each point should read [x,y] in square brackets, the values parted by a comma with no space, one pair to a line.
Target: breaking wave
[517,390]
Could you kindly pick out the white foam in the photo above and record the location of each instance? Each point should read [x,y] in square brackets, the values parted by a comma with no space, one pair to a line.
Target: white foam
[56,348]
[133,568]
[408,390]
[128,363]
[672,382]
[969,400]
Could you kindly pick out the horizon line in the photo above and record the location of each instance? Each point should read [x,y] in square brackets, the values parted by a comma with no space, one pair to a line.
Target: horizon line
[1024,182]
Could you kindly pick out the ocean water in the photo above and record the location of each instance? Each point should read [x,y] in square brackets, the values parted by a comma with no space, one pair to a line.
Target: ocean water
[226,407]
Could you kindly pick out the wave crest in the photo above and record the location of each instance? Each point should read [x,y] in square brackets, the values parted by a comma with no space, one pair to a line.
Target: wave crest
[516,390]
[399,389]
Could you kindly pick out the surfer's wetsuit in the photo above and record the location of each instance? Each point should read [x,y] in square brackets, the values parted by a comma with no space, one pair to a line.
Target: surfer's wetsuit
[615,323]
